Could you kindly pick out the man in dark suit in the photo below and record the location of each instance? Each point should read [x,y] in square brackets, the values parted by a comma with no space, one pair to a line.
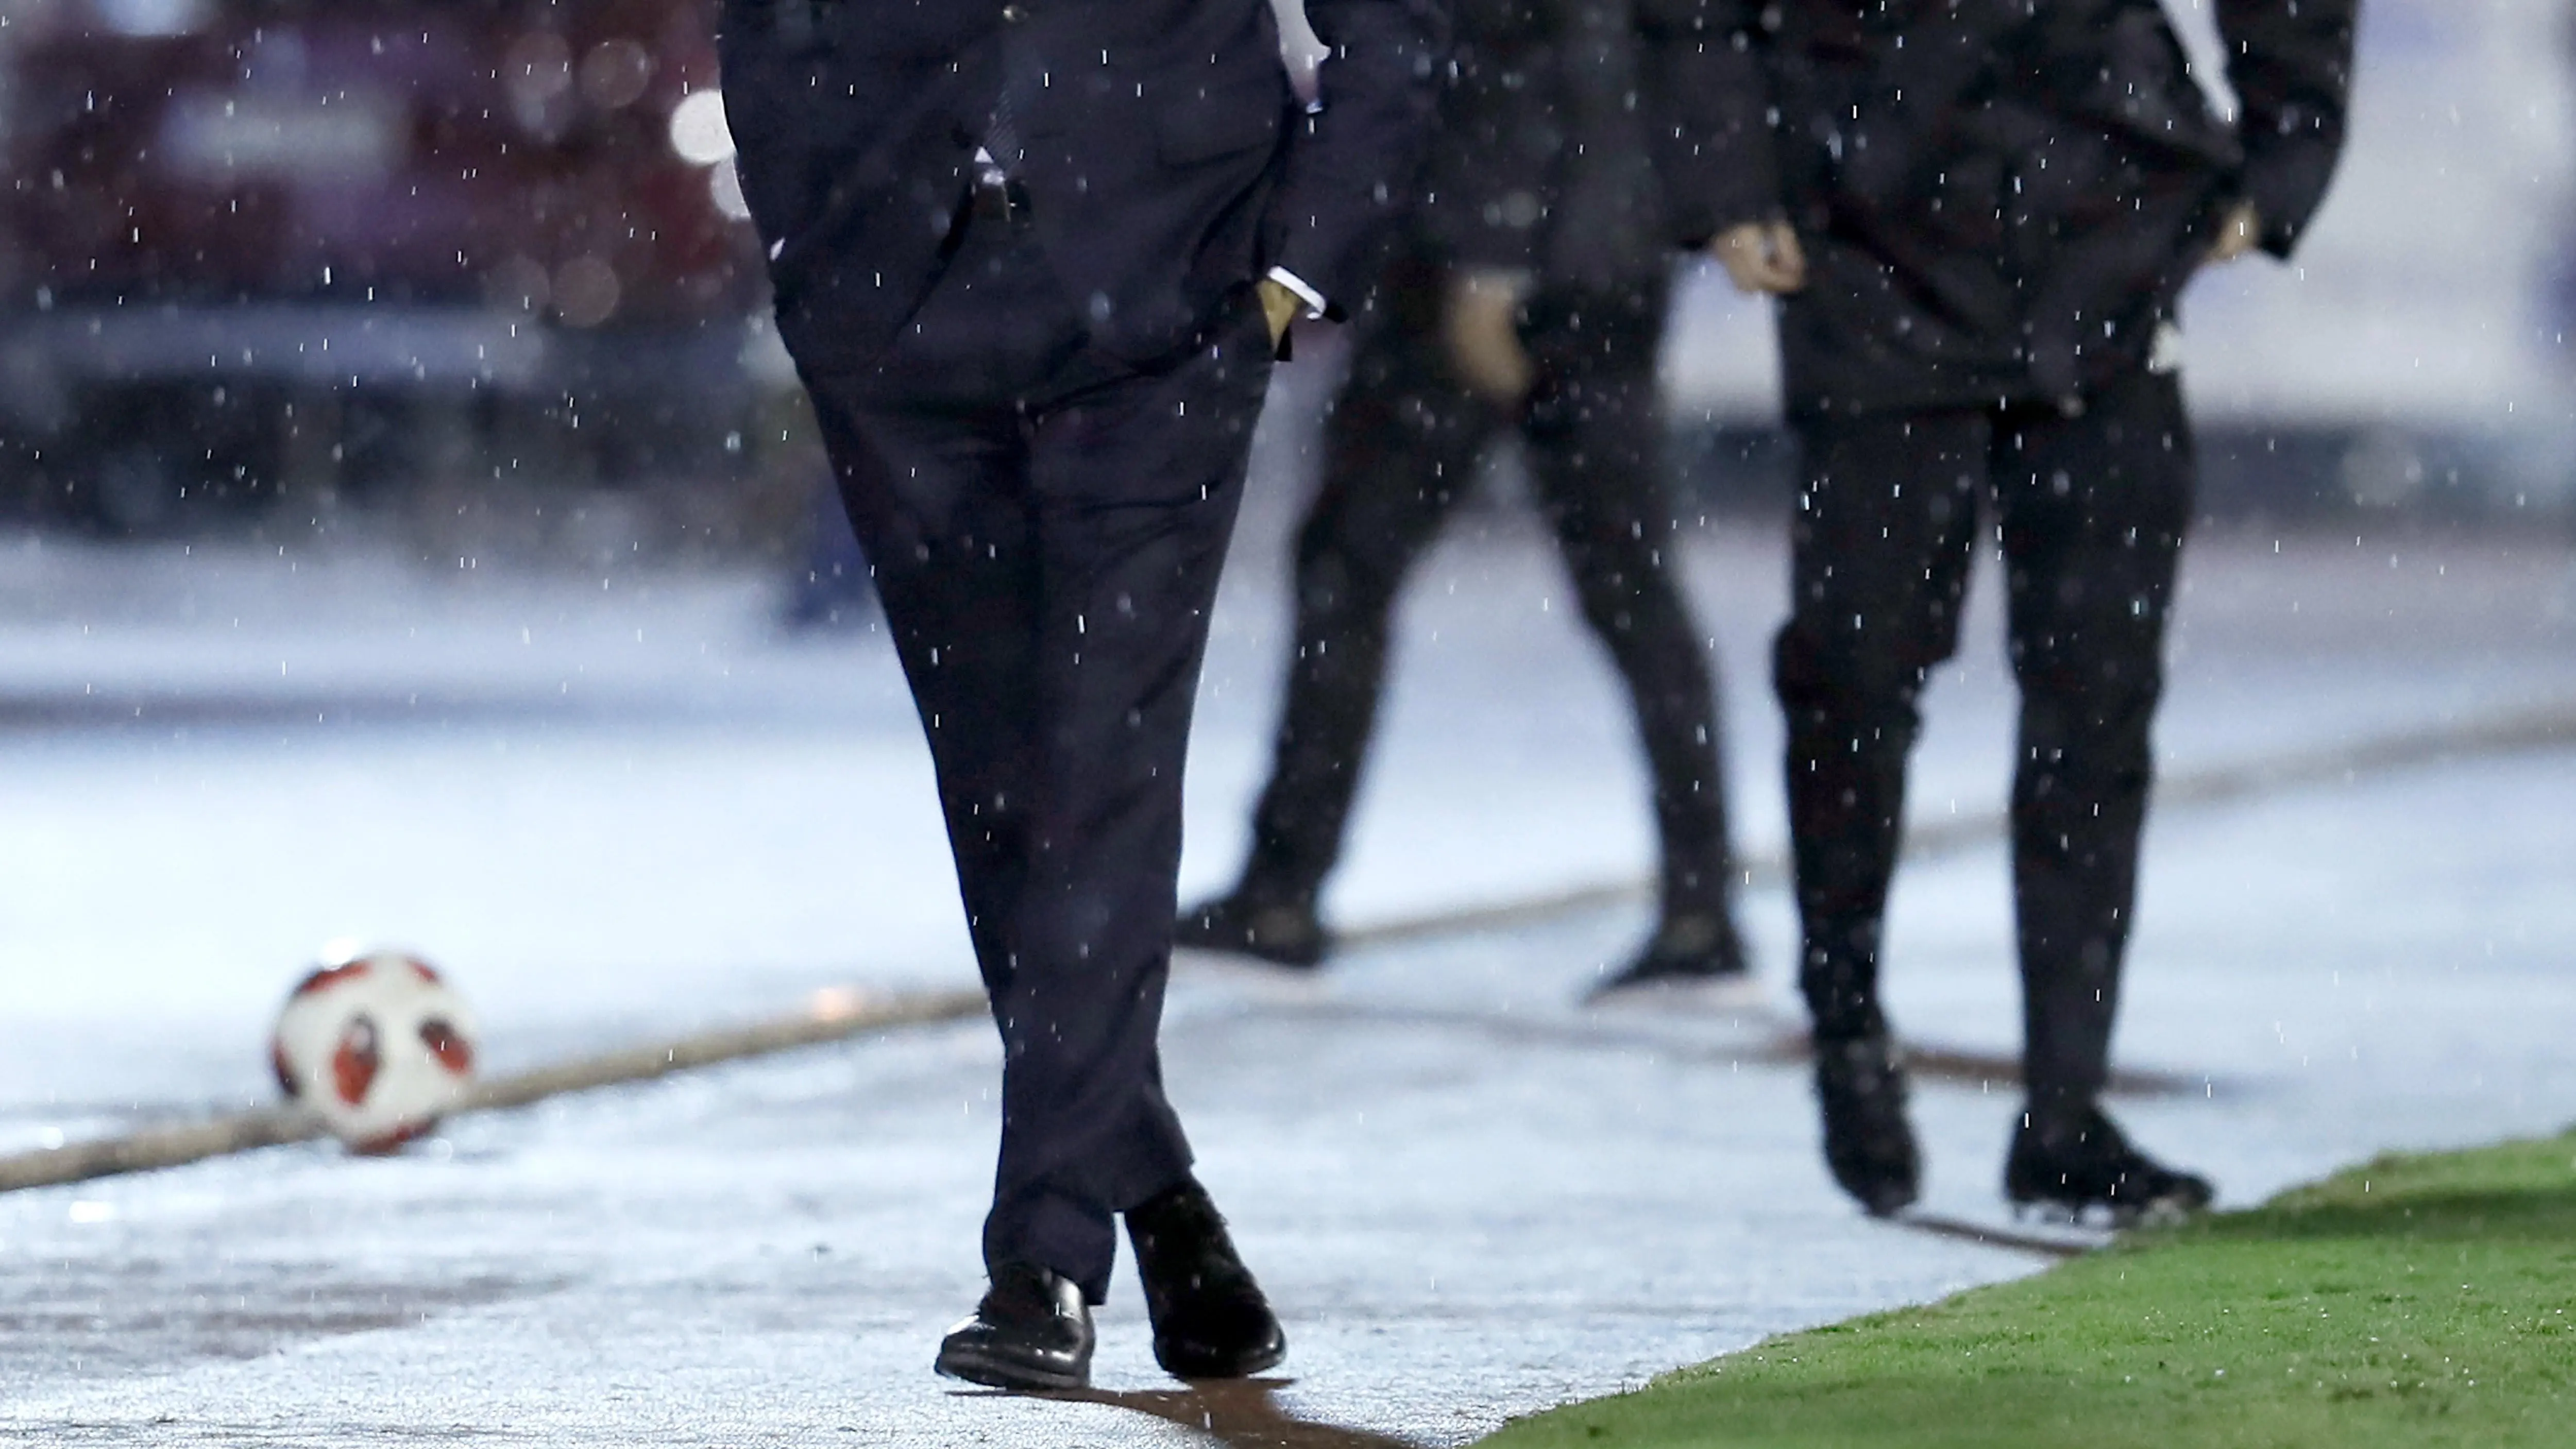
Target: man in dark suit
[1981,215]
[1032,260]
[1526,294]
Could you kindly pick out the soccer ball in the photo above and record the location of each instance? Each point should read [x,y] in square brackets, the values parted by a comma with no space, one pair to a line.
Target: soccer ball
[378,1046]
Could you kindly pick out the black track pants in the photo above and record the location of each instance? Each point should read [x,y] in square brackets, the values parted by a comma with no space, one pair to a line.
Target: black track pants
[2091,510]
[1401,451]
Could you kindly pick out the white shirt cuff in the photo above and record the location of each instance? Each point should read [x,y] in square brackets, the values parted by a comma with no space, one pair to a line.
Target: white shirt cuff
[1316,306]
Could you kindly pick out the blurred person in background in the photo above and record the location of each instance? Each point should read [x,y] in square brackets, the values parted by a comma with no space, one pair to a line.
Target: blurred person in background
[1032,261]
[828,592]
[1979,217]
[1577,154]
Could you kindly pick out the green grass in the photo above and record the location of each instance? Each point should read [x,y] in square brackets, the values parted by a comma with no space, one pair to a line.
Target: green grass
[2418,1300]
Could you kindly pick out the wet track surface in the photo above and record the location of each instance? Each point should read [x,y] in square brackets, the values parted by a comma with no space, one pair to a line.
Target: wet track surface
[1470,1197]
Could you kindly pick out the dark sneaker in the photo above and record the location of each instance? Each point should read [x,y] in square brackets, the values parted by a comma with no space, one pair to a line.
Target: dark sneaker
[1032,1332]
[1860,1084]
[1696,957]
[1210,1318]
[1280,933]
[2092,1165]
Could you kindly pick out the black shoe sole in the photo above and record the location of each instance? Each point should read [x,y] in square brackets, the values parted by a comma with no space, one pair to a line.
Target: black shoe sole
[1299,959]
[996,1373]
[2080,1211]
[1883,1205]
[1213,1368]
[1680,984]
[1219,926]
[1296,965]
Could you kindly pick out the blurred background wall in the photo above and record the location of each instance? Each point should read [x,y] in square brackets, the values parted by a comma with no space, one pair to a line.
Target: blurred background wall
[477,267]
[475,273]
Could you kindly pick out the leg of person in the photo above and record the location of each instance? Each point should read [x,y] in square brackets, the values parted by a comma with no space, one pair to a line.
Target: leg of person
[2094,511]
[1596,436]
[940,500]
[1400,449]
[1026,610]
[1880,550]
[829,592]
[931,455]
[1135,480]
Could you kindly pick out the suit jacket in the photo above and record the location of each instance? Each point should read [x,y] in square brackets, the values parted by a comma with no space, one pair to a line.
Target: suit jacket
[2002,200]
[1166,159]
[1579,139]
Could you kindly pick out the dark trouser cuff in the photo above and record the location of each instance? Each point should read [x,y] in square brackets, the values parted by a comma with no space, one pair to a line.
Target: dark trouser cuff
[1838,974]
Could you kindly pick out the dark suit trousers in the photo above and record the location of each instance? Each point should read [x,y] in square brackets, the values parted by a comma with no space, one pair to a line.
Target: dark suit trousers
[1401,451]
[1046,526]
[2092,511]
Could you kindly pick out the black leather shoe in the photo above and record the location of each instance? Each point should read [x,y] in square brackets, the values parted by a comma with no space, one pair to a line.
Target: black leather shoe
[1868,1143]
[1696,953]
[1210,1318]
[1031,1332]
[1281,933]
[2090,1164]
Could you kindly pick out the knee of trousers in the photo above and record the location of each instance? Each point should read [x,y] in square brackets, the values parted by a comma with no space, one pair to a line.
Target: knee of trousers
[1339,578]
[2089,715]
[1625,591]
[1848,679]
[1604,408]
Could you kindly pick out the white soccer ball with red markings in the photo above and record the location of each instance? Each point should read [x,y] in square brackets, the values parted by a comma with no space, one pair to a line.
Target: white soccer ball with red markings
[379,1046]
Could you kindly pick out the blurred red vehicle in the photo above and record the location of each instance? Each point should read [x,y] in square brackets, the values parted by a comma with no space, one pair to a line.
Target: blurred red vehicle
[252,246]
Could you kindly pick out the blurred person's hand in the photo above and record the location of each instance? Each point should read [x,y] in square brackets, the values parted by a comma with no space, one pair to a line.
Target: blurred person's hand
[1482,327]
[2237,234]
[1279,306]
[1762,258]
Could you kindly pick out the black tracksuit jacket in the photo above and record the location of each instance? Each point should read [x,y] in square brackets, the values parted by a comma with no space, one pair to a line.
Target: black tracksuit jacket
[1576,140]
[2001,200]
